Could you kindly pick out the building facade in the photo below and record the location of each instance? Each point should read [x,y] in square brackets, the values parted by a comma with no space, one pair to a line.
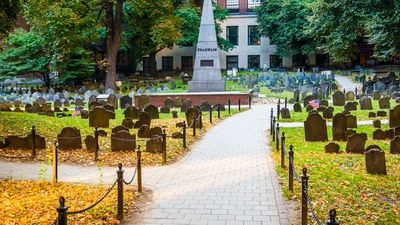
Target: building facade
[251,51]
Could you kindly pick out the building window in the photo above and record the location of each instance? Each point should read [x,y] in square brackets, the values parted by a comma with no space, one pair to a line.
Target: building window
[252,4]
[232,6]
[187,63]
[253,36]
[232,34]
[167,63]
[275,61]
[253,62]
[232,61]
[146,65]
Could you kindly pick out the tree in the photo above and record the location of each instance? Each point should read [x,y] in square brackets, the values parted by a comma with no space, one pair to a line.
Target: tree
[191,18]
[9,10]
[285,23]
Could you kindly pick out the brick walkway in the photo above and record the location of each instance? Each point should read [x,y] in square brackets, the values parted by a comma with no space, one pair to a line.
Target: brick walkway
[227,178]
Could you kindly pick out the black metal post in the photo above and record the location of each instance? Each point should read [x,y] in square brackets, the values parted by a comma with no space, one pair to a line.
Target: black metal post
[283,148]
[184,134]
[270,123]
[291,164]
[55,163]
[194,125]
[356,91]
[250,100]
[120,182]
[211,116]
[201,120]
[277,137]
[304,204]
[229,106]
[96,138]
[164,147]
[139,169]
[239,104]
[33,142]
[285,102]
[332,218]
[273,128]
[219,111]
[278,109]
[62,212]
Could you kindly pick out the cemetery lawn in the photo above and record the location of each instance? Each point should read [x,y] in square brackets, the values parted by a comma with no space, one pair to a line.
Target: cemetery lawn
[340,181]
[21,123]
[30,202]
[362,115]
[281,95]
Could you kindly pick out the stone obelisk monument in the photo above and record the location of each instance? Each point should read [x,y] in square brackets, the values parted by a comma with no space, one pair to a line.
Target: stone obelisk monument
[207,68]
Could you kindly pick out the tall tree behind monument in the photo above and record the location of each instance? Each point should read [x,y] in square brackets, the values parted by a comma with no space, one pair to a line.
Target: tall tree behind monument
[207,67]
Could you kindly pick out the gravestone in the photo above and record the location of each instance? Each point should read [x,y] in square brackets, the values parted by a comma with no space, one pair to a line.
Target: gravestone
[376,95]
[395,145]
[375,161]
[394,117]
[339,127]
[384,103]
[350,96]
[285,113]
[377,124]
[351,121]
[379,134]
[69,138]
[371,115]
[119,128]
[125,101]
[297,107]
[66,103]
[205,106]
[144,119]
[324,103]
[154,145]
[143,100]
[144,131]
[356,143]
[315,128]
[152,110]
[309,108]
[123,141]
[381,114]
[178,102]
[79,102]
[221,107]
[57,103]
[109,107]
[84,114]
[127,122]
[338,98]
[174,114]
[92,98]
[165,110]
[5,108]
[90,143]
[189,117]
[25,143]
[131,112]
[168,102]
[365,103]
[186,105]
[328,113]
[156,131]
[92,105]
[112,100]
[99,117]
[350,106]
[332,148]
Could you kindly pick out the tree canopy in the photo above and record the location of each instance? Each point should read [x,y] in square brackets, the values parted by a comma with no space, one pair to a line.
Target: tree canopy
[9,10]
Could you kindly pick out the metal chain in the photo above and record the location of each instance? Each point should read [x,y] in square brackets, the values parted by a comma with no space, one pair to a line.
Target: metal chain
[313,215]
[296,176]
[69,138]
[98,201]
[123,139]
[133,177]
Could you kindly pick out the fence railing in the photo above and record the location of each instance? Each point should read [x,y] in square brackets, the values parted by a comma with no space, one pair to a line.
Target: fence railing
[306,203]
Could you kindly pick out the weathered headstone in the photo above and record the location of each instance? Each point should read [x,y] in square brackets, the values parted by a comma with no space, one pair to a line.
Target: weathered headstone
[315,128]
[186,105]
[332,148]
[156,131]
[338,98]
[178,102]
[394,117]
[168,102]
[99,117]
[379,134]
[376,95]
[350,96]
[351,121]
[371,115]
[131,112]
[127,122]
[165,110]
[297,107]
[324,102]
[384,103]
[285,113]
[377,124]
[174,114]
[123,141]
[144,118]
[365,103]
[69,138]
[144,131]
[90,143]
[192,112]
[339,127]
[143,100]
[375,161]
[152,110]
[154,145]
[395,145]
[328,113]
[124,101]
[381,114]
[25,143]
[112,100]
[356,143]
[119,128]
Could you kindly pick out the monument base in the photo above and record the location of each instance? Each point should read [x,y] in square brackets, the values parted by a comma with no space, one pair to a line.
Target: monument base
[206,86]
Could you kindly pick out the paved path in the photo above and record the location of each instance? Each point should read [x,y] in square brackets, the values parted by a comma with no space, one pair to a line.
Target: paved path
[227,178]
[346,83]
[301,124]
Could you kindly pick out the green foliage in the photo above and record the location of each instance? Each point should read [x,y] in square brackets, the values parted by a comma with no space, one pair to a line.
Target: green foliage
[9,10]
[285,22]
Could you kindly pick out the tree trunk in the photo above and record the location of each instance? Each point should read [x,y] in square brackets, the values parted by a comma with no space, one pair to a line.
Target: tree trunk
[114,28]
[153,63]
[47,81]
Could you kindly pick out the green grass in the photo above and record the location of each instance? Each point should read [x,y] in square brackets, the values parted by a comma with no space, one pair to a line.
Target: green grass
[340,181]
[360,114]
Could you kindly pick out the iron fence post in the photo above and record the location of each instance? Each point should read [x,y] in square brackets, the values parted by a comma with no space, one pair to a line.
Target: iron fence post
[33,142]
[332,218]
[285,102]
[120,181]
[55,162]
[96,138]
[291,164]
[304,204]
[277,138]
[283,150]
[194,125]
[139,169]
[229,106]
[278,109]
[184,134]
[270,122]
[219,111]
[164,147]
[211,115]
[201,120]
[273,128]
[239,104]
[62,212]
[250,100]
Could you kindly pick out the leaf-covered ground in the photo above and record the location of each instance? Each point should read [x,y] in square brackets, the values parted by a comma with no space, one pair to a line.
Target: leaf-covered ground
[340,181]
[360,114]
[30,202]
[21,123]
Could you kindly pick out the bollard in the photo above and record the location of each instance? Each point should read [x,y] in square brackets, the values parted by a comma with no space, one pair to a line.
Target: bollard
[270,122]
[201,120]
[278,109]
[164,147]
[283,150]
[219,111]
[55,163]
[291,164]
[184,134]
[250,101]
[277,136]
[33,142]
[285,102]
[120,182]
[194,125]
[211,117]
[273,128]
[229,106]
[239,104]
[304,204]
[139,169]
[96,138]
[332,218]
[62,212]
